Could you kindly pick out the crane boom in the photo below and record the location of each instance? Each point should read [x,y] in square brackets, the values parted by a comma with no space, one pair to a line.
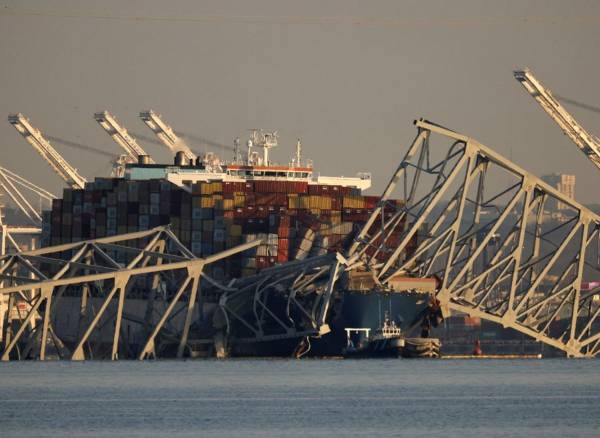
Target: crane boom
[45,149]
[120,135]
[166,134]
[9,182]
[586,142]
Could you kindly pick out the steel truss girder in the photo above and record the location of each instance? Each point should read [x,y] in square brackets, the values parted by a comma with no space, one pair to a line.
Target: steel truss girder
[288,301]
[109,265]
[494,252]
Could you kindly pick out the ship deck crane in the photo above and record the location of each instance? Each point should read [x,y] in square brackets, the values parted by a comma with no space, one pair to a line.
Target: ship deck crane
[166,134]
[120,135]
[47,151]
[586,142]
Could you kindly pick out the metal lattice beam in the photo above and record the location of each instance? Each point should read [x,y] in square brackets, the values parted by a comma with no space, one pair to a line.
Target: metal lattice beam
[477,222]
[109,267]
[286,302]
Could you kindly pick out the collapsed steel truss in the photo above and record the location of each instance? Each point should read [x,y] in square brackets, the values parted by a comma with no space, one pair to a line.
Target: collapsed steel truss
[478,223]
[284,302]
[106,269]
[290,300]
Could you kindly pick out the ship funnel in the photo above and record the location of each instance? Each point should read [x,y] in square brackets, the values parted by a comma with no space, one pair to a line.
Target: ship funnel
[180,159]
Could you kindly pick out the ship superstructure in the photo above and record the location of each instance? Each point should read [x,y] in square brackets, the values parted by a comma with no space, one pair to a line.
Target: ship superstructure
[253,165]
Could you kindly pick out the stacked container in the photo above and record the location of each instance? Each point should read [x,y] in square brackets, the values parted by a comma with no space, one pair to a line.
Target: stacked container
[293,220]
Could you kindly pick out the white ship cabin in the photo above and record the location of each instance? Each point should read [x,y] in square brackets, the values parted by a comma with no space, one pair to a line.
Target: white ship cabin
[253,166]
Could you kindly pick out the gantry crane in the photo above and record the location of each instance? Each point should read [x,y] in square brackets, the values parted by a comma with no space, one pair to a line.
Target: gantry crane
[586,142]
[166,134]
[120,135]
[45,149]
[9,185]
[9,182]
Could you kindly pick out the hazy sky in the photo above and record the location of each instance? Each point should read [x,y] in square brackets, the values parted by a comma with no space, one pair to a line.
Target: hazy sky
[348,77]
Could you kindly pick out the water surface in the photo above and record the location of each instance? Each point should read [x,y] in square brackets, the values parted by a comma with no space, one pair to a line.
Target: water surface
[301,398]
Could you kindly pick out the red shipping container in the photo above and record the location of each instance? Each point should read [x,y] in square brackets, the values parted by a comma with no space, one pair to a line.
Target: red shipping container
[284,221]
[336,203]
[262,262]
[262,187]
[250,199]
[230,187]
[271,199]
[300,187]
[371,201]
[281,199]
[264,198]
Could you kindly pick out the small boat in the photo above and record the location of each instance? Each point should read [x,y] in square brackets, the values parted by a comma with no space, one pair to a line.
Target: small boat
[386,341]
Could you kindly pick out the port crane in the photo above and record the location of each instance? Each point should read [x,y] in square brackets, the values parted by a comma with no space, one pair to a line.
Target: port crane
[47,151]
[10,185]
[587,143]
[166,134]
[10,182]
[120,135]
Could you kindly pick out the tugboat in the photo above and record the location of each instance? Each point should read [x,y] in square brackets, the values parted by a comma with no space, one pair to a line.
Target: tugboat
[386,341]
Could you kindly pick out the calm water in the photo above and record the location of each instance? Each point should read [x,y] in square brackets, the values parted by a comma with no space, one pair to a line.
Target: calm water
[255,398]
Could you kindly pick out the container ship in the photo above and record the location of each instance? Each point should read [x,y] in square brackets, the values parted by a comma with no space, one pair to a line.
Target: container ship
[212,205]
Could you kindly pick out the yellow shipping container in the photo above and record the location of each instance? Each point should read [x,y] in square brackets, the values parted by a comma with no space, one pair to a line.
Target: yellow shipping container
[304,202]
[227,204]
[210,188]
[205,189]
[239,199]
[207,202]
[353,202]
[320,202]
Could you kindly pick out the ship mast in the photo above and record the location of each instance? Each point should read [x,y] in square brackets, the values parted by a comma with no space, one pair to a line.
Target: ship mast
[298,153]
[266,140]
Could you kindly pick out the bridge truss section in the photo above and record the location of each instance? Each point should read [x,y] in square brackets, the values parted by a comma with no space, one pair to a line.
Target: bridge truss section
[477,223]
[107,271]
[78,300]
[289,301]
